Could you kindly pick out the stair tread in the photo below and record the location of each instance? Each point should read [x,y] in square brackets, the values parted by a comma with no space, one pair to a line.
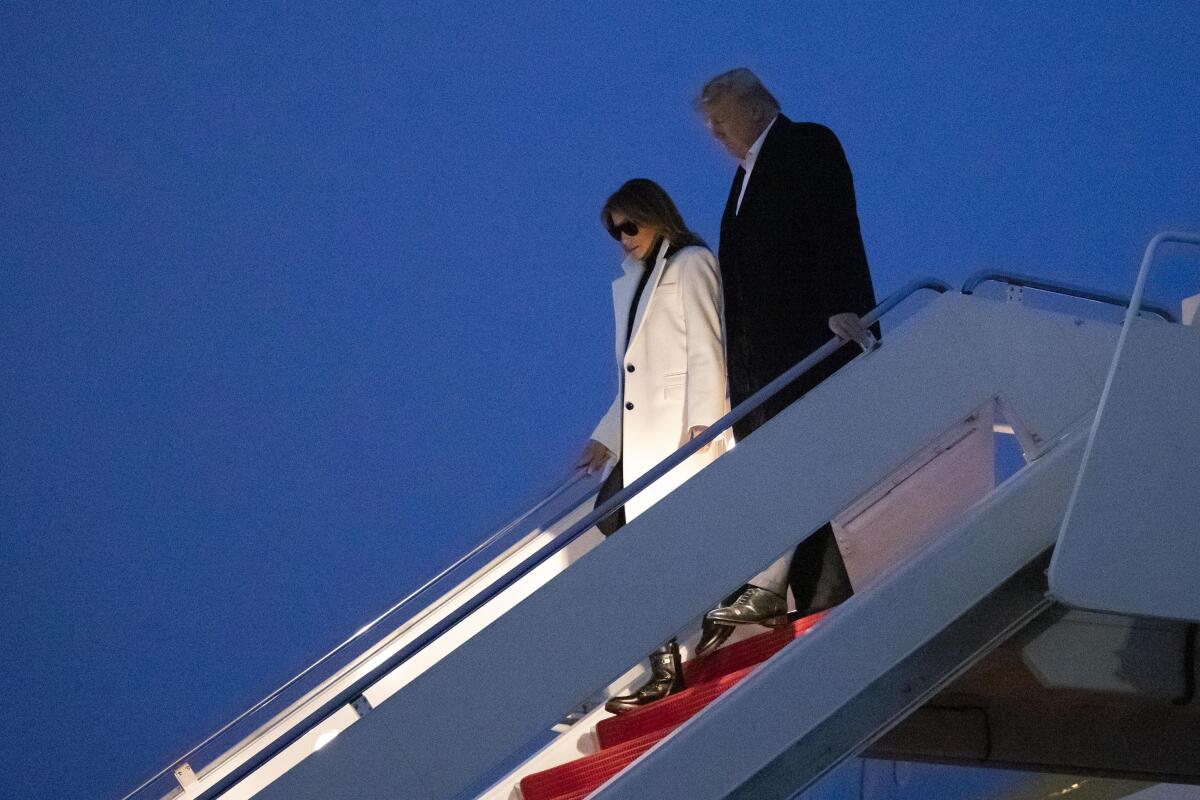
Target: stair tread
[708,678]
[666,713]
[588,772]
[756,649]
[624,738]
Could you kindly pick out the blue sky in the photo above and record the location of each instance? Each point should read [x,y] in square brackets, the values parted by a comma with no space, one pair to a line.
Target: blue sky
[299,301]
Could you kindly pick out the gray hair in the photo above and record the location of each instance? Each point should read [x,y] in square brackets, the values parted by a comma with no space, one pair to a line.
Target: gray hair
[745,86]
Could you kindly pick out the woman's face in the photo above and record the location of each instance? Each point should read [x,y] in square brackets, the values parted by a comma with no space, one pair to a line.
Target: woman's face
[636,240]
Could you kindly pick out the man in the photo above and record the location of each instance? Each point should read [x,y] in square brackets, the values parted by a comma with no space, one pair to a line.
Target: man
[793,268]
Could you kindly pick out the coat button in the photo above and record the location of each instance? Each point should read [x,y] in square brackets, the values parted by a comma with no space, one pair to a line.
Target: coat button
[629,406]
[629,367]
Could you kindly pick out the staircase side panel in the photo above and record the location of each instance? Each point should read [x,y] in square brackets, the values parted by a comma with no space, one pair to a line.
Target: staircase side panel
[1131,543]
[785,725]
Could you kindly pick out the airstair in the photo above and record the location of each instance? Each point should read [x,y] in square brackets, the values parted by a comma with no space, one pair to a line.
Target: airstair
[489,682]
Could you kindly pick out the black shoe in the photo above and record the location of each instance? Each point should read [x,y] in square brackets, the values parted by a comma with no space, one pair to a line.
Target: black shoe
[756,606]
[712,635]
[666,678]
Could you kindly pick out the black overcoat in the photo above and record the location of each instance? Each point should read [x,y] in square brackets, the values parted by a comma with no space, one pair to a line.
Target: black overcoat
[792,258]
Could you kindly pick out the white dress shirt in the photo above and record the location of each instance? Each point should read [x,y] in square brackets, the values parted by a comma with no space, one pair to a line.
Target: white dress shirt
[751,157]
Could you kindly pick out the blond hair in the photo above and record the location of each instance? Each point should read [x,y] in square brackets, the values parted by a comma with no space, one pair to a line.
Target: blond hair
[745,86]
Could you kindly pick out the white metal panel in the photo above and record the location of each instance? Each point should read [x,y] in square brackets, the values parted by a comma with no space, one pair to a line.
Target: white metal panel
[1131,541]
[1093,343]
[579,741]
[398,678]
[712,755]
[1025,347]
[335,725]
[1110,653]
[913,504]
[284,722]
[1190,307]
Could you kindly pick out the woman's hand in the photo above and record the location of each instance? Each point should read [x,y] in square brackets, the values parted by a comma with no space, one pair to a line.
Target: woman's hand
[695,431]
[594,457]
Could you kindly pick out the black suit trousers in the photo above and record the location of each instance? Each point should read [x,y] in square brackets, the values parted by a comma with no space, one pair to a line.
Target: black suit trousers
[818,576]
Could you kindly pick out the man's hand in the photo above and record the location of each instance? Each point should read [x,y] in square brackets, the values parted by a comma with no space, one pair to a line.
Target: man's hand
[692,433]
[594,457]
[849,328]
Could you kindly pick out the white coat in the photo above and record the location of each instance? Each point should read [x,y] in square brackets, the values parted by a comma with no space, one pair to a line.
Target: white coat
[673,371]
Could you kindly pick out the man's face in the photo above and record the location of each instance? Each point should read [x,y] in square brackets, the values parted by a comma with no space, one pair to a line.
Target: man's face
[733,124]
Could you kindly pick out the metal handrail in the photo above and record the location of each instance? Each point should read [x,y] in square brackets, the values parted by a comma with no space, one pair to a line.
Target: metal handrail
[746,407]
[1139,288]
[1030,282]
[574,479]
[1135,303]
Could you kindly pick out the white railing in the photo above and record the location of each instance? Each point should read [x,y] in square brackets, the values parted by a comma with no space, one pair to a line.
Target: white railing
[537,524]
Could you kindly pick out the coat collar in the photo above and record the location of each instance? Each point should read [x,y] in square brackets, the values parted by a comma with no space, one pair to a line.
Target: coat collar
[764,162]
[752,154]
[625,287]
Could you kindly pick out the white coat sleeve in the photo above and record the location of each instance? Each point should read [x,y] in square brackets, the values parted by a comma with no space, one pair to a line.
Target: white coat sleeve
[608,430]
[700,290]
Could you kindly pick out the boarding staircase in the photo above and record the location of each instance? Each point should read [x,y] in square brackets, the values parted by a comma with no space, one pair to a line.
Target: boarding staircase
[491,684]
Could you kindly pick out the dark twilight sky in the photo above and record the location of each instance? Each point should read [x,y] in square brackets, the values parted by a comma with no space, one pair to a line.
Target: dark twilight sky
[298,301]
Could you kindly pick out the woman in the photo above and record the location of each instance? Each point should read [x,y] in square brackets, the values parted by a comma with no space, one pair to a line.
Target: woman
[671,371]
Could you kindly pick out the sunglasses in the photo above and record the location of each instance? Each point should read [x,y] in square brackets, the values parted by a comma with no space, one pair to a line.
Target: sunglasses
[628,228]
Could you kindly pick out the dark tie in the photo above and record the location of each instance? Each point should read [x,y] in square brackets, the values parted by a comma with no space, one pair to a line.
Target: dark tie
[739,178]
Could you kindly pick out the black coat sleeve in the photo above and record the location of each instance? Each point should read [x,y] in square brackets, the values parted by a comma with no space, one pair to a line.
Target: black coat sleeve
[835,239]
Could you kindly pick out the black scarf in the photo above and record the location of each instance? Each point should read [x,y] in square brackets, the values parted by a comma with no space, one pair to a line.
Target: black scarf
[647,268]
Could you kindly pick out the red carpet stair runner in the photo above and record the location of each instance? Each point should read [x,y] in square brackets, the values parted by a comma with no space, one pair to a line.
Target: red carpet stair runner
[625,737]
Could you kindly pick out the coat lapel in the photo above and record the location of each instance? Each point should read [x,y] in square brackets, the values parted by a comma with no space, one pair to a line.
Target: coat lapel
[731,204]
[764,164]
[623,289]
[649,293]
